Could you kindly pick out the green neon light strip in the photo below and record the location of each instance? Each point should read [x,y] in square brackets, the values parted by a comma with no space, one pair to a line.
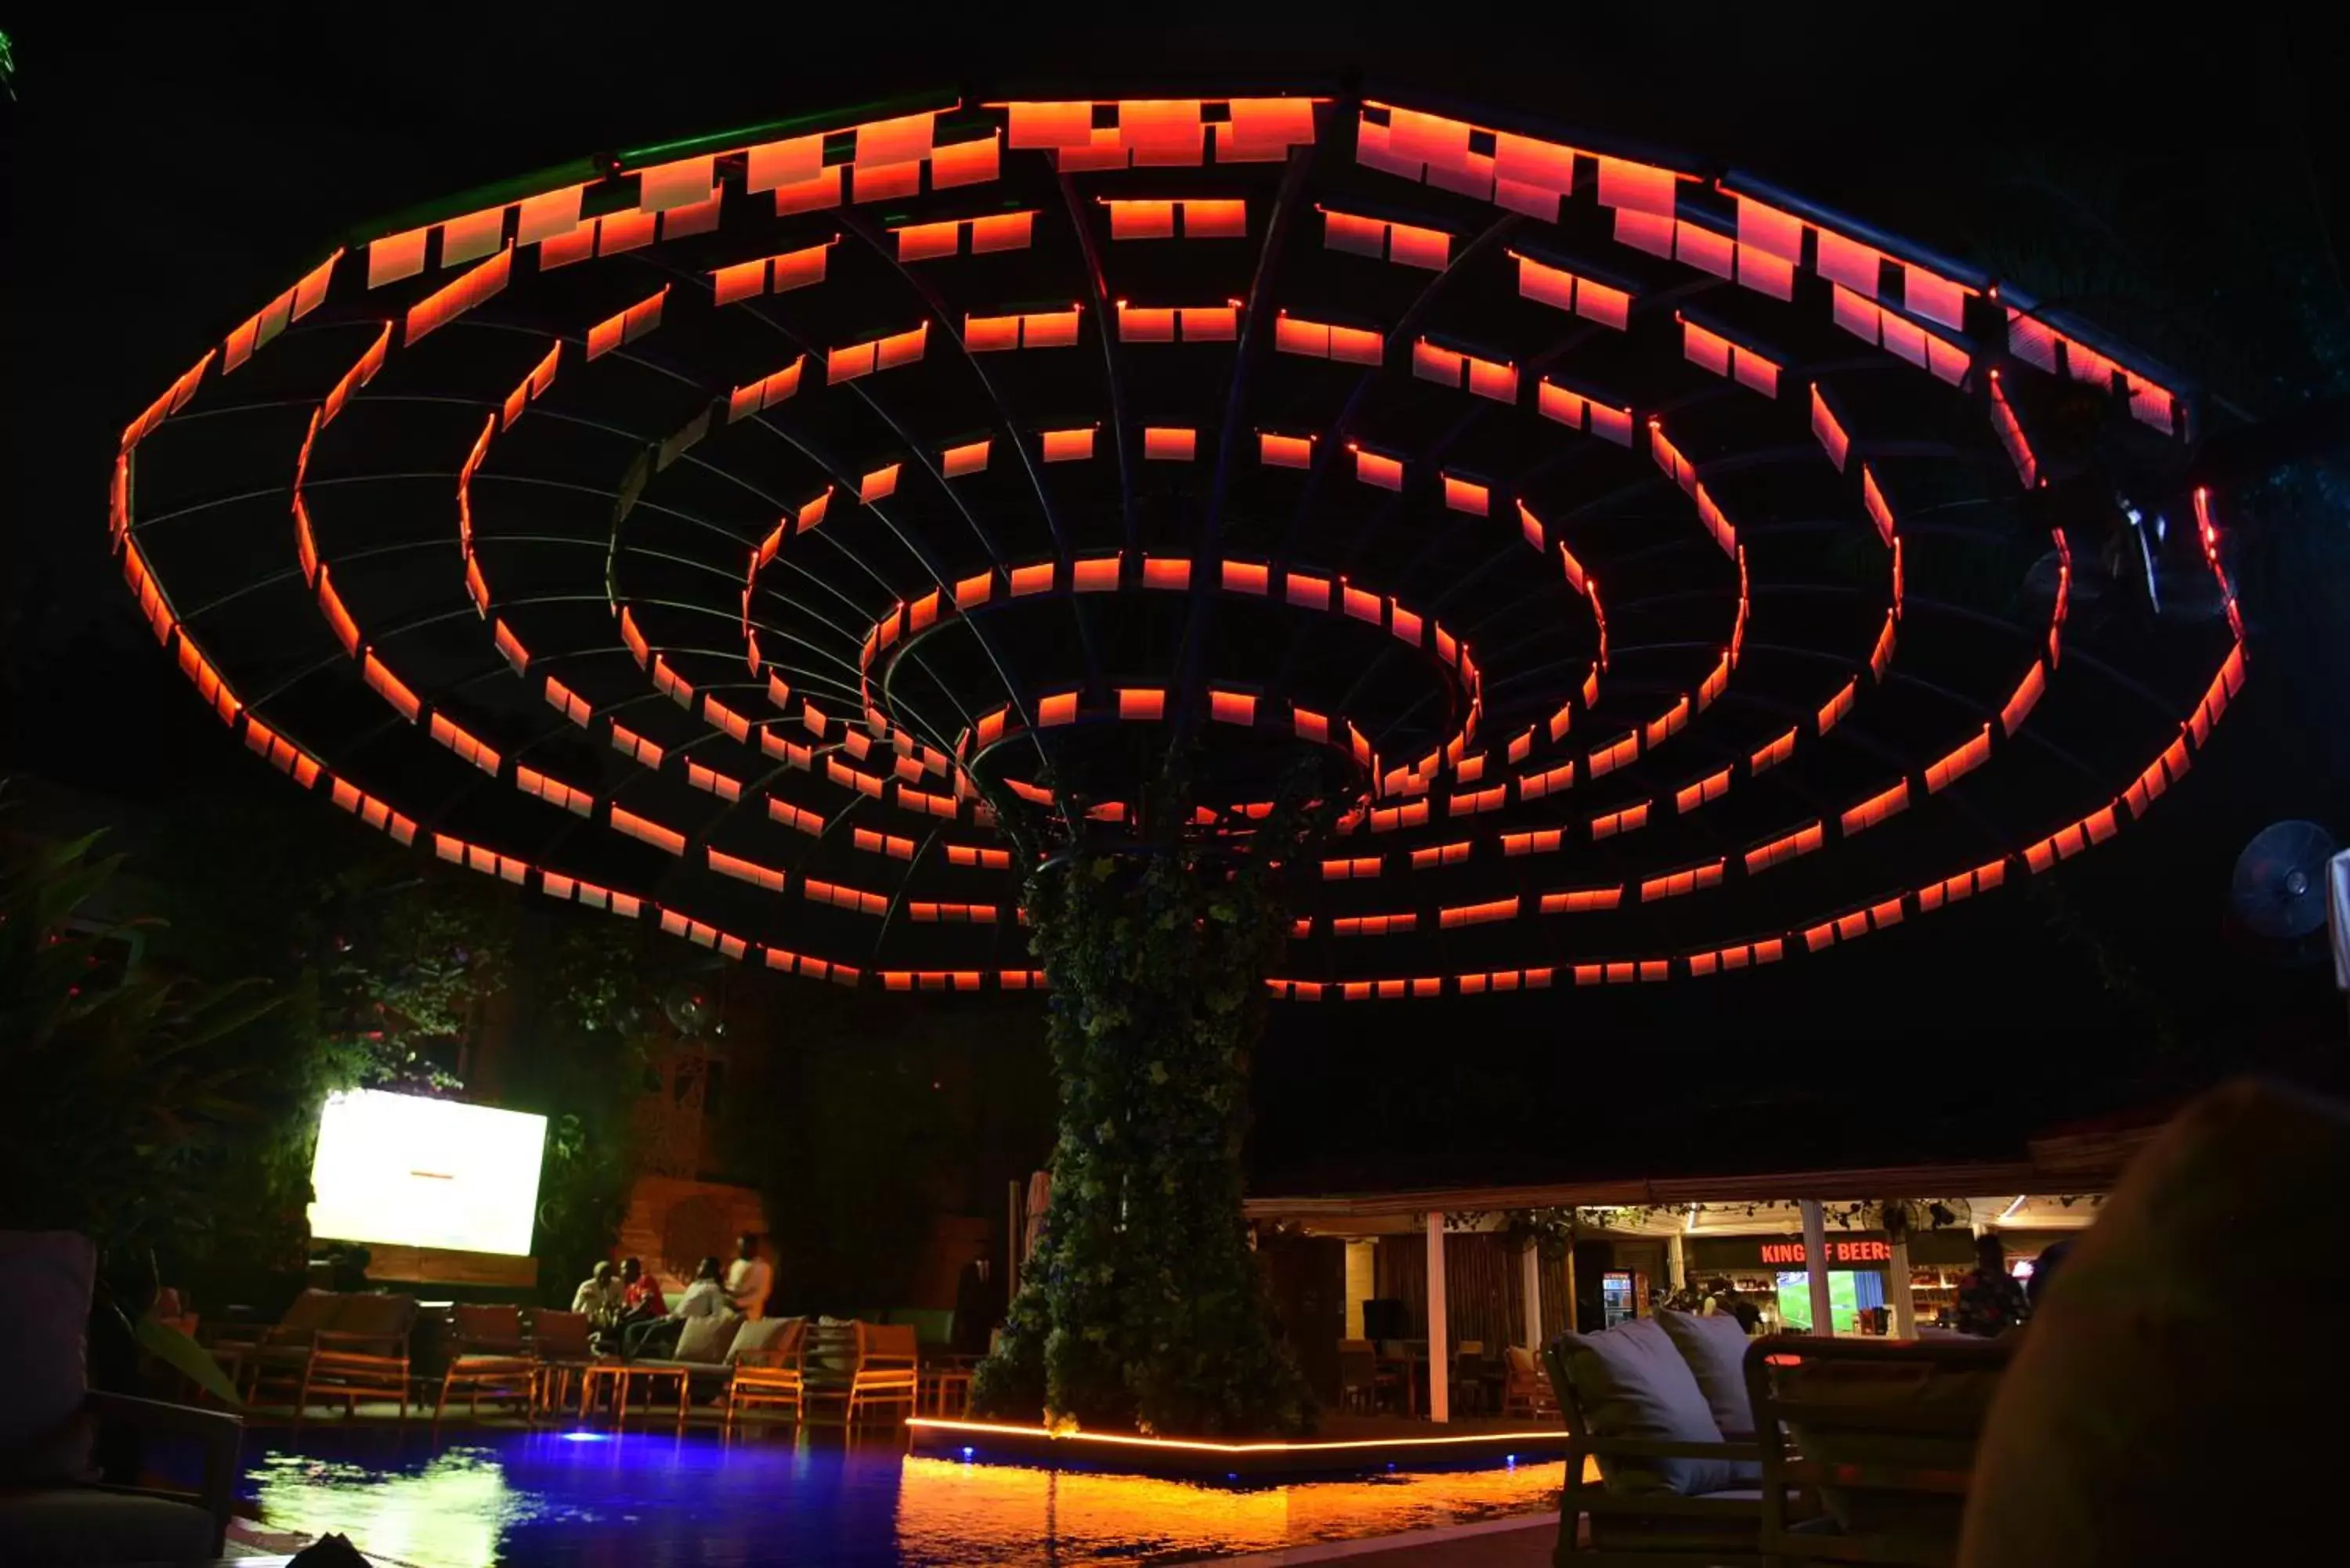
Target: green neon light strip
[798,125]
[579,172]
[588,170]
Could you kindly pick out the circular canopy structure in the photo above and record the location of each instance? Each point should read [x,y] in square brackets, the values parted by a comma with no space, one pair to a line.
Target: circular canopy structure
[1671,576]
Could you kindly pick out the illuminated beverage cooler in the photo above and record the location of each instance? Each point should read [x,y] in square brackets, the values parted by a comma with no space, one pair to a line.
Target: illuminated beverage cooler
[1623,1295]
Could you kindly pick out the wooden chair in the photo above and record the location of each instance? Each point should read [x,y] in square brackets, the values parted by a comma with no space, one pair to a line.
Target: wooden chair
[888,1369]
[1884,1430]
[1361,1379]
[1647,1529]
[488,1354]
[560,1344]
[771,1376]
[1466,1376]
[1525,1387]
[364,1355]
[259,1350]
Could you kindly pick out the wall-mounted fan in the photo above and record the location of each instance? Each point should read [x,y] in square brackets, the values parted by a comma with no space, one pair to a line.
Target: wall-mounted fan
[2277,892]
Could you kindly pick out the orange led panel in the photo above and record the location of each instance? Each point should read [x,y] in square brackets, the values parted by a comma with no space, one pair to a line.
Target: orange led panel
[983,334]
[1492,379]
[1164,443]
[1067,446]
[1466,495]
[1354,234]
[647,830]
[965,163]
[1836,708]
[1049,329]
[393,690]
[1209,323]
[1136,324]
[1876,808]
[878,485]
[1376,469]
[2025,696]
[1285,452]
[1410,247]
[1166,572]
[1355,346]
[1140,702]
[1141,220]
[1002,232]
[969,457]
[1095,576]
[1215,219]
[920,242]
[1231,707]
[1058,709]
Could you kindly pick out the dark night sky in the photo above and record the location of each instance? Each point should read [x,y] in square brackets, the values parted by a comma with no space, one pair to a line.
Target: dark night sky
[165,174]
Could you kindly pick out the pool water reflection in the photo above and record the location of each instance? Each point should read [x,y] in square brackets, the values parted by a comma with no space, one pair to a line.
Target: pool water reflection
[536,1500]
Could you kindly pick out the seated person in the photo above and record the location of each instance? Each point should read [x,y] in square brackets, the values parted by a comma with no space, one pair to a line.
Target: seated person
[598,1297]
[749,1279]
[705,1297]
[641,1293]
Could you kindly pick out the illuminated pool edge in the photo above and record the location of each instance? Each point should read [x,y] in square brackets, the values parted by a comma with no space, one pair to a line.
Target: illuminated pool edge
[989,1442]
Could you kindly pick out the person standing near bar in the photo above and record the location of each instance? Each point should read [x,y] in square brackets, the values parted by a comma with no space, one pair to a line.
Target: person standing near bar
[1990,1300]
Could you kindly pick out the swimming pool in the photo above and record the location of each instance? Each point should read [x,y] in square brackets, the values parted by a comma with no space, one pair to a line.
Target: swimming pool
[552,1499]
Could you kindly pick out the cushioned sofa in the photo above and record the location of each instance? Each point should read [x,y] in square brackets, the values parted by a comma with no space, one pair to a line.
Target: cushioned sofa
[1660,1405]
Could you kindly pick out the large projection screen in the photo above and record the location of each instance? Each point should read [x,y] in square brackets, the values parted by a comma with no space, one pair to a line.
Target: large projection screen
[408,1171]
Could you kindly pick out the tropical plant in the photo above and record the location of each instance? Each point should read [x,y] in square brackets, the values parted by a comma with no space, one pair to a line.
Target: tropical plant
[1142,1306]
[143,1090]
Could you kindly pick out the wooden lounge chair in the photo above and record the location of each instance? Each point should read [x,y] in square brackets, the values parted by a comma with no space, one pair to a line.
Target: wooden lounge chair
[254,1351]
[1661,1502]
[1363,1383]
[558,1343]
[1525,1386]
[888,1369]
[715,1350]
[488,1354]
[770,1376]
[362,1355]
[1884,1429]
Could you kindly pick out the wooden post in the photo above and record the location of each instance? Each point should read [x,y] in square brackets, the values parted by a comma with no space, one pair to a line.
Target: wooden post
[1439,1332]
[1573,1323]
[1816,1265]
[1676,1262]
[1013,1205]
[1530,1278]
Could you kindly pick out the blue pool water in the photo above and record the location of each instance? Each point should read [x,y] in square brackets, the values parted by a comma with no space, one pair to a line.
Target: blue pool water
[658,1500]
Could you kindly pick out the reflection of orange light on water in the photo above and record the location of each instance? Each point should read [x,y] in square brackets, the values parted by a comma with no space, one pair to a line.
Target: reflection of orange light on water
[1077,1439]
[947,1507]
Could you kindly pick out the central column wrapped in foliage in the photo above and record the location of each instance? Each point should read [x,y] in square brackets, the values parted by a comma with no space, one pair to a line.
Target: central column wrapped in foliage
[1142,1307]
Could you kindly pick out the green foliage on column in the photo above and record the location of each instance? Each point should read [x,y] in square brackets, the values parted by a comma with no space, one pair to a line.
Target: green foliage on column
[1142,1307]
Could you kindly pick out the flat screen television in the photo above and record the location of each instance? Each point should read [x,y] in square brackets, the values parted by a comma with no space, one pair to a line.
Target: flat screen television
[405,1170]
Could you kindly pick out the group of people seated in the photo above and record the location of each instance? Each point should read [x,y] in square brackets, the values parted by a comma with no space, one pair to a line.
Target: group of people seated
[629,1316]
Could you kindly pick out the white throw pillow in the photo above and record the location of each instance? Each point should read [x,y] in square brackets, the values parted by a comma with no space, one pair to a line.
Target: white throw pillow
[706,1338]
[1632,1383]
